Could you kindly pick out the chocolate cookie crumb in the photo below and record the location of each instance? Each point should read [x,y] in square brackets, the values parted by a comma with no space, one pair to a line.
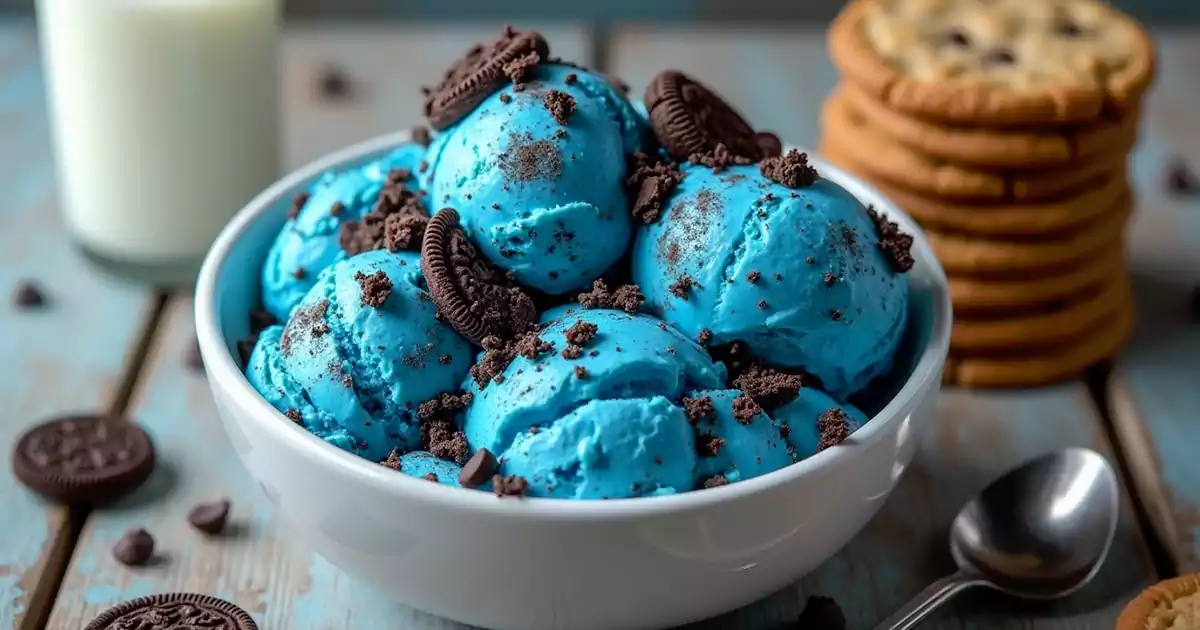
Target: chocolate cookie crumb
[505,98]
[531,346]
[682,287]
[709,445]
[334,84]
[769,387]
[581,333]
[896,245]
[744,409]
[420,135]
[715,481]
[835,315]
[478,469]
[27,296]
[510,486]
[762,304]
[294,416]
[571,353]
[718,159]
[753,277]
[496,357]
[699,409]
[580,372]
[300,273]
[444,441]
[135,548]
[443,407]
[392,461]
[704,337]
[821,613]
[431,476]
[833,428]
[831,279]
[210,518]
[297,205]
[627,297]
[375,288]
[650,185]
[397,222]
[337,209]
[571,78]
[560,104]
[791,170]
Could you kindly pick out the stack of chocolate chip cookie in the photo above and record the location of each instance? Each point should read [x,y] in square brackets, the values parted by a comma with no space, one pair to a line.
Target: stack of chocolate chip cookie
[1003,127]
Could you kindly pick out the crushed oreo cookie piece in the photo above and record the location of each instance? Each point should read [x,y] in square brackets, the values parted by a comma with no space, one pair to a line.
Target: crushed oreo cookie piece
[833,427]
[560,104]
[700,408]
[715,481]
[627,297]
[334,84]
[791,170]
[682,287]
[709,445]
[472,296]
[689,118]
[445,441]
[718,158]
[531,346]
[443,407]
[420,135]
[744,409]
[571,353]
[768,144]
[580,372]
[397,222]
[704,337]
[210,518]
[581,333]
[478,470]
[769,387]
[298,203]
[28,296]
[483,69]
[375,287]
[509,486]
[896,245]
[753,277]
[497,354]
[651,183]
[392,461]
[135,548]
[294,415]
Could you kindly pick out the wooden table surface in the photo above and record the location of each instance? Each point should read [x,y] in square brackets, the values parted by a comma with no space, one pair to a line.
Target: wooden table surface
[104,343]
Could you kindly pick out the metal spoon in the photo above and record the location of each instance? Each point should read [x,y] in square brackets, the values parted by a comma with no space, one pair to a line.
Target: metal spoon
[1039,532]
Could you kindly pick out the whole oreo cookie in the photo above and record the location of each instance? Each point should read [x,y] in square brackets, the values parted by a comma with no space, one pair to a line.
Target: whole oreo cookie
[168,611]
[83,459]
[689,118]
[483,69]
[472,296]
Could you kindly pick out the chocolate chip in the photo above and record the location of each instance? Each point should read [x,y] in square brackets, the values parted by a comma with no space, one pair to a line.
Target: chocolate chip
[510,486]
[560,104]
[1178,178]
[478,469]
[191,356]
[334,84]
[135,548]
[833,427]
[791,170]
[896,245]
[27,296]
[210,518]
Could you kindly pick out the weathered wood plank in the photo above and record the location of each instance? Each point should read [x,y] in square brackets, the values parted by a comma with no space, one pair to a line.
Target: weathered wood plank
[66,357]
[1154,390]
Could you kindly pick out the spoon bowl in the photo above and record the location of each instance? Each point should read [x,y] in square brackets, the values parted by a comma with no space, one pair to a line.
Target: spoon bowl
[1041,531]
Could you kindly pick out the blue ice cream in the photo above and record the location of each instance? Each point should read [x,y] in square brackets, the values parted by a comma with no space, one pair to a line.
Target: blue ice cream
[427,466]
[308,242]
[360,352]
[796,274]
[804,416]
[606,421]
[543,198]
[737,449]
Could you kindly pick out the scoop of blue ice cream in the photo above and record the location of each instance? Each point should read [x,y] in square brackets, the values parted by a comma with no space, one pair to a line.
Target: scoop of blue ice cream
[425,465]
[736,449]
[797,274]
[804,416]
[543,199]
[360,352]
[629,357]
[308,242]
[607,449]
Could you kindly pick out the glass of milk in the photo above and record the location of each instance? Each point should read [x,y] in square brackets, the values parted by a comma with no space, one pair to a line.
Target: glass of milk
[165,123]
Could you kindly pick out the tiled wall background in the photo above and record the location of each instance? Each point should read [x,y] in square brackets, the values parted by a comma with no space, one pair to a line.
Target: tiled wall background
[1157,11]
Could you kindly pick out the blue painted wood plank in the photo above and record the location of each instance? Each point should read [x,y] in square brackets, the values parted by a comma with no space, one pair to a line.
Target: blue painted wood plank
[1155,387]
[66,357]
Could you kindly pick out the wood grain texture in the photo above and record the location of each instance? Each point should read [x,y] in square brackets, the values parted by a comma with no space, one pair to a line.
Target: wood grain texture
[68,356]
[1155,388]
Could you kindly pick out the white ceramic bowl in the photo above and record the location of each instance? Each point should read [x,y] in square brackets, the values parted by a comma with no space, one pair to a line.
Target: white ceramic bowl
[530,564]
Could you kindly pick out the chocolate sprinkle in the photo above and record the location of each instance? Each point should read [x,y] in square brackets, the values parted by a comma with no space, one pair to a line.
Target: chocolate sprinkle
[791,170]
[896,245]
[375,288]
[627,297]
[135,548]
[478,469]
[560,104]
[833,427]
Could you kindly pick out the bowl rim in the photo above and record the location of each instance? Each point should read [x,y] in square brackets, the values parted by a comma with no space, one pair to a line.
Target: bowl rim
[223,373]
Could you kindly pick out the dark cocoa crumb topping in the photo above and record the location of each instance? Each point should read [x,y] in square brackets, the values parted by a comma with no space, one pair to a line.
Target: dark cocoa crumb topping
[300,273]
[704,337]
[651,183]
[810,260]
[375,288]
[791,170]
[580,372]
[444,441]
[531,346]
[515,70]
[392,461]
[682,287]
[762,304]
[445,359]
[497,354]
[834,428]
[709,445]
[699,409]
[443,407]
[505,98]
[718,159]
[510,486]
[571,78]
[337,209]
[571,353]
[294,415]
[715,481]
[753,277]
[769,387]
[627,297]
[560,104]
[896,245]
[744,409]
[581,333]
[297,205]
[397,223]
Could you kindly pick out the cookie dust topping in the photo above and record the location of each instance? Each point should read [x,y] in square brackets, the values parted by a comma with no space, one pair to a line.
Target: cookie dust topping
[627,297]
[375,287]
[833,427]
[896,245]
[791,170]
[1009,44]
[560,104]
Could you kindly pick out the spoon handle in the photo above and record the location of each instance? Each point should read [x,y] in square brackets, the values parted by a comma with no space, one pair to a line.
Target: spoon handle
[928,600]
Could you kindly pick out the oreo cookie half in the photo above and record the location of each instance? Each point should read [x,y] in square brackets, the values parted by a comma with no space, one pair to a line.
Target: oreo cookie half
[83,460]
[483,69]
[689,118]
[471,295]
[174,610]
